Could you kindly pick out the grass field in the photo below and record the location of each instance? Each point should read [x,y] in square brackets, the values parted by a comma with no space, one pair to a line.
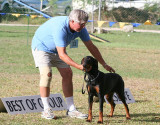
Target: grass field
[135,56]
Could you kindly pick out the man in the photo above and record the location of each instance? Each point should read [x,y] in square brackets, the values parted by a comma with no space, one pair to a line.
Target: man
[49,50]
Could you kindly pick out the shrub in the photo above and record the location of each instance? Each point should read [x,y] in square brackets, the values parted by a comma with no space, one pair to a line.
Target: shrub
[132,14]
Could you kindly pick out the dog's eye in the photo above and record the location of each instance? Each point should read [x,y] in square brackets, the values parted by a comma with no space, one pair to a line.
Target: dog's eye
[87,66]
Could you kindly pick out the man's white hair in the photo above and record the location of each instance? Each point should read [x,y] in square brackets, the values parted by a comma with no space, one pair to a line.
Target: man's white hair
[79,16]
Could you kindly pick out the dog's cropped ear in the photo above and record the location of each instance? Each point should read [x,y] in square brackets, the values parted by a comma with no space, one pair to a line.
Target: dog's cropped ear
[82,61]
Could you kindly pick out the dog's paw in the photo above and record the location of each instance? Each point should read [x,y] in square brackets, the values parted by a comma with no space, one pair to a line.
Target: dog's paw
[109,115]
[100,122]
[128,118]
[88,120]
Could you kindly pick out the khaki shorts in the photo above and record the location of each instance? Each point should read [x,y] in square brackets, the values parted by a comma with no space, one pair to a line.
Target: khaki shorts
[42,59]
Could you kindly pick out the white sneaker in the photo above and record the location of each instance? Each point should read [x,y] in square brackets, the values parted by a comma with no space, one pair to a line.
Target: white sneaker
[48,114]
[76,114]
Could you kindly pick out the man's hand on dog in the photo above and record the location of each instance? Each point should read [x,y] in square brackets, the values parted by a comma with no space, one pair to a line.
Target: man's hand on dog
[109,68]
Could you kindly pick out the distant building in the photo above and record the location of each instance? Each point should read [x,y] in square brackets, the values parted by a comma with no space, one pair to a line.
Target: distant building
[114,4]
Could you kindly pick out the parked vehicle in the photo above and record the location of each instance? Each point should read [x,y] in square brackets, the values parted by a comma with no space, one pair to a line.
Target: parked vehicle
[12,6]
[33,3]
[5,5]
[63,7]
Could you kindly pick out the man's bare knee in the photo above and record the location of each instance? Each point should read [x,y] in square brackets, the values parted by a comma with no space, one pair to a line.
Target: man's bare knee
[66,73]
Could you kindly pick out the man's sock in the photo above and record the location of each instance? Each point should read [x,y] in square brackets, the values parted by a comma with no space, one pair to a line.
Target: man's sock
[70,103]
[45,101]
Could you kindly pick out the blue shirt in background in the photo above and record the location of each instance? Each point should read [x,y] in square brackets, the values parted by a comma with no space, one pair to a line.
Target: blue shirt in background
[56,32]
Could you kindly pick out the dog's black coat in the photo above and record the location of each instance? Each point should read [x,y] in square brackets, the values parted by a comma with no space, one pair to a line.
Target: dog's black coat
[102,84]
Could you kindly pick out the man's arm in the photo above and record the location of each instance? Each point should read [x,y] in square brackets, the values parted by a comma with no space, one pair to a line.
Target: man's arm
[63,56]
[95,52]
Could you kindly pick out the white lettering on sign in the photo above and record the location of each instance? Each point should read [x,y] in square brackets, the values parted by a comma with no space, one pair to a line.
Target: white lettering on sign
[128,96]
[27,104]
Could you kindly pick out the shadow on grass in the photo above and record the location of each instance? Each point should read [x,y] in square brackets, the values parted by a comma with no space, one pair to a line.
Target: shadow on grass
[139,101]
[147,117]
[60,117]
[155,117]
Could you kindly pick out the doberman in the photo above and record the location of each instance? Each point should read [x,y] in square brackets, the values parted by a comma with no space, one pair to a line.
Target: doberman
[102,84]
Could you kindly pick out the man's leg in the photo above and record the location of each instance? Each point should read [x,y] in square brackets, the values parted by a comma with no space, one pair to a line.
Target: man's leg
[44,91]
[67,86]
[45,79]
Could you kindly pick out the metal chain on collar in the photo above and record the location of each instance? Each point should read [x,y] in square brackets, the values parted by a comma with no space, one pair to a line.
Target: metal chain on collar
[88,81]
[95,77]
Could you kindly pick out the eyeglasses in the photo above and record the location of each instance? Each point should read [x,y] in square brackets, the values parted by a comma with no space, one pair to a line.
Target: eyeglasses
[82,24]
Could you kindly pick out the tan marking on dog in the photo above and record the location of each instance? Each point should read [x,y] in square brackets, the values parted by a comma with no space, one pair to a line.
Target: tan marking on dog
[97,89]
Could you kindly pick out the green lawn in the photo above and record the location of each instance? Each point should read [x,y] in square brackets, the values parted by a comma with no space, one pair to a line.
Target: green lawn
[135,56]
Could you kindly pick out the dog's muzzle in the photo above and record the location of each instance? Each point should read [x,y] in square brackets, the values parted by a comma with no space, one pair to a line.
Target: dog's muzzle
[87,68]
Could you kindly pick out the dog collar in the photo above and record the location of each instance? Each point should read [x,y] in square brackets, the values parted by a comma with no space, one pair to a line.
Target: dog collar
[90,80]
[95,77]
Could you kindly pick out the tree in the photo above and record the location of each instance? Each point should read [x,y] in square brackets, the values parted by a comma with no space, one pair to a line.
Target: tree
[53,6]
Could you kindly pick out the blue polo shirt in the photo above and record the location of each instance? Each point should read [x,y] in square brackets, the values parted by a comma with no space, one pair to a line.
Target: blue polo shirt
[56,32]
